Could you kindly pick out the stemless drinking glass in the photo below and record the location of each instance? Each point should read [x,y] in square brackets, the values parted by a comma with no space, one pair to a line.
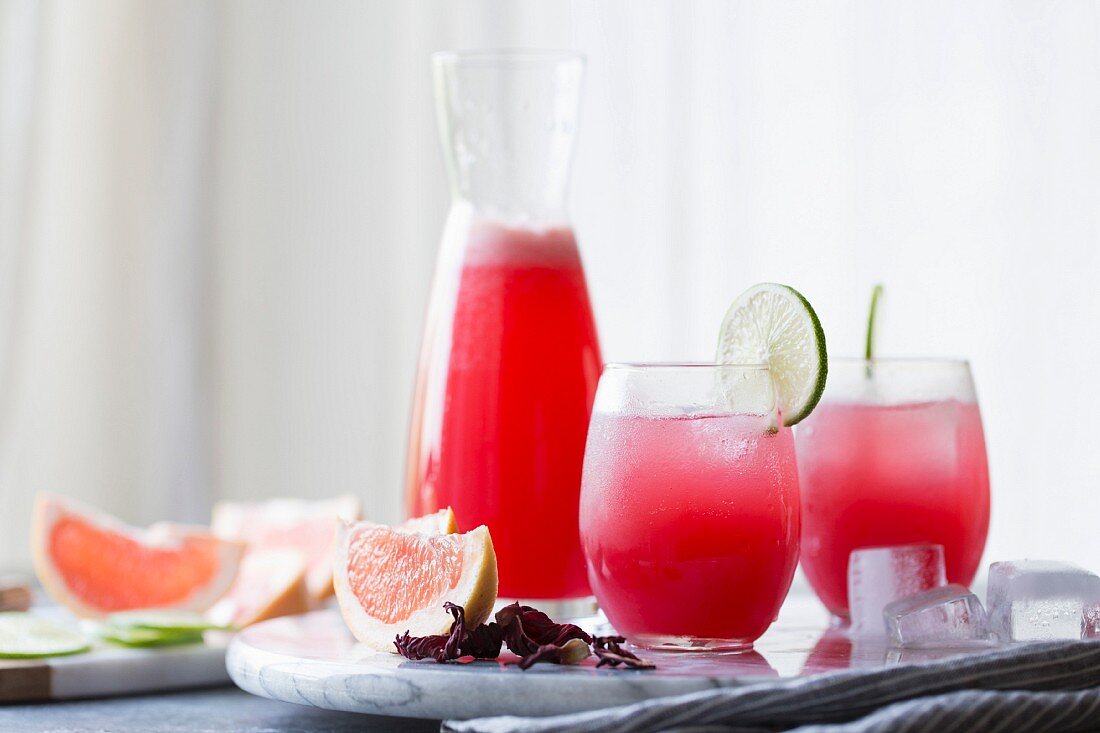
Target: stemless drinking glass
[893,455]
[689,504]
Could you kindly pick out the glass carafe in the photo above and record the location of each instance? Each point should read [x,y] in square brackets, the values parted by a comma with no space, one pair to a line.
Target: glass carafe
[510,359]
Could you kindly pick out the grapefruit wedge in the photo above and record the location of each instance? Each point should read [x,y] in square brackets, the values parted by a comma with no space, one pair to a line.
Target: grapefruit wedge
[299,524]
[94,564]
[389,581]
[269,584]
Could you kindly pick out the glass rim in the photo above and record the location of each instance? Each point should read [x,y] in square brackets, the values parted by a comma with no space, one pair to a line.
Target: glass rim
[903,360]
[677,365]
[507,56]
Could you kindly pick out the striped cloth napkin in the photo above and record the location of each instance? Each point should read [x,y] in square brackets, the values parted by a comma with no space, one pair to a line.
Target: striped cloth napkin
[1045,686]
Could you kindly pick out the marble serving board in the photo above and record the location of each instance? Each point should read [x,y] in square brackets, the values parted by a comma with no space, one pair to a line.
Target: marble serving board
[109,670]
[313,660]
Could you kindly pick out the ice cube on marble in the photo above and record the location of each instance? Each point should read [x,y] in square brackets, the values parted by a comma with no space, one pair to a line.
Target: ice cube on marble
[1029,600]
[946,615]
[880,575]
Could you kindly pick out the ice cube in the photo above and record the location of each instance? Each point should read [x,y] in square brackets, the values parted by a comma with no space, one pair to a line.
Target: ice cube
[880,575]
[1042,599]
[940,616]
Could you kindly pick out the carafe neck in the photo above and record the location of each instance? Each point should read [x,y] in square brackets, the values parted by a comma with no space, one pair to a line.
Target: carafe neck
[507,124]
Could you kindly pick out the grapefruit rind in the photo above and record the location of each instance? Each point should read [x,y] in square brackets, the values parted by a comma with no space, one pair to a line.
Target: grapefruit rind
[476,590]
[442,522]
[282,573]
[49,508]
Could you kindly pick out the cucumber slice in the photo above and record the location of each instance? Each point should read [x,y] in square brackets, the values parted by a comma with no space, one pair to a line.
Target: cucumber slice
[162,620]
[135,637]
[25,636]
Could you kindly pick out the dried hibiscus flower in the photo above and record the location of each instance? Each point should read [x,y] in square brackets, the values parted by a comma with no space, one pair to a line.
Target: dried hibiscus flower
[611,654]
[572,651]
[482,642]
[528,633]
[533,636]
[440,647]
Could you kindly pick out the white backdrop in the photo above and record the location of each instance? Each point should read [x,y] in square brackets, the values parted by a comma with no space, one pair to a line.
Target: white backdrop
[217,225]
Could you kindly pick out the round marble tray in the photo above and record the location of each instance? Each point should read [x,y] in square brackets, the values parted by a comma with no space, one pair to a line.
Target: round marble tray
[313,660]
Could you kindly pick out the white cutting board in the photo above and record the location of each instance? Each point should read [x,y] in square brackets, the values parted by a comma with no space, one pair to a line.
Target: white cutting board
[112,670]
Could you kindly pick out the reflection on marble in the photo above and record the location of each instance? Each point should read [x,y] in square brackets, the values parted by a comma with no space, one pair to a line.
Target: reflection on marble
[833,650]
[313,660]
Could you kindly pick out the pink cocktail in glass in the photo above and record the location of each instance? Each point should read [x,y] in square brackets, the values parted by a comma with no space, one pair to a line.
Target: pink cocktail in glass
[893,455]
[690,509]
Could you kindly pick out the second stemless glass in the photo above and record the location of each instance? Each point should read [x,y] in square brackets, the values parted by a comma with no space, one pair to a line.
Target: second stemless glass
[689,504]
[893,455]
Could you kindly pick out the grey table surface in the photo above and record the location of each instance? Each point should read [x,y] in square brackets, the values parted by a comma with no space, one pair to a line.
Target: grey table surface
[196,711]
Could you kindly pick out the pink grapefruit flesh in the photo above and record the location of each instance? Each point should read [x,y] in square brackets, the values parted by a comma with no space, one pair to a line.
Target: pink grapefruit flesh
[392,574]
